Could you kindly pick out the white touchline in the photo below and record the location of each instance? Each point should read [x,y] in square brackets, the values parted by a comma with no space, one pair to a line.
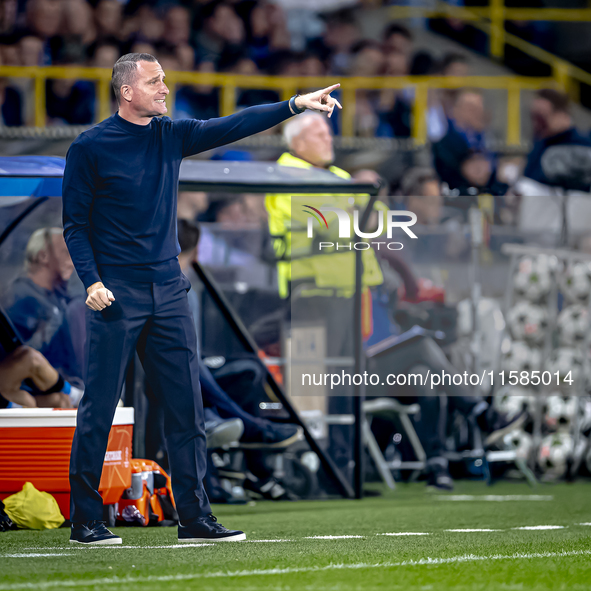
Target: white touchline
[332,537]
[107,546]
[471,530]
[286,571]
[536,527]
[260,541]
[583,523]
[494,498]
[28,555]
[404,533]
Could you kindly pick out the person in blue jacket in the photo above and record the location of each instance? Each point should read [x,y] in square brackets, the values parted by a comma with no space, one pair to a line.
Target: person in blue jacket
[552,125]
[119,216]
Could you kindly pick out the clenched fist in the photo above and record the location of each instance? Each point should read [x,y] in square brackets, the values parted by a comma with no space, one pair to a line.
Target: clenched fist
[99,297]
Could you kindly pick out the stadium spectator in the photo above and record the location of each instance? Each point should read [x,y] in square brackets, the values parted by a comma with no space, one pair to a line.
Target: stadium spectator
[198,101]
[38,300]
[267,33]
[69,101]
[79,31]
[423,195]
[44,20]
[27,51]
[553,126]
[10,105]
[367,59]
[466,131]
[222,31]
[398,39]
[478,175]
[177,27]
[244,66]
[148,28]
[312,65]
[341,33]
[30,49]
[9,52]
[394,106]
[186,56]
[27,365]
[441,101]
[143,47]
[105,54]
[422,191]
[108,16]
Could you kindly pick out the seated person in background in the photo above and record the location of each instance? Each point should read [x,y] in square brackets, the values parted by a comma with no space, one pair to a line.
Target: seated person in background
[422,192]
[24,363]
[190,204]
[553,126]
[466,131]
[38,300]
[227,245]
[257,431]
[478,178]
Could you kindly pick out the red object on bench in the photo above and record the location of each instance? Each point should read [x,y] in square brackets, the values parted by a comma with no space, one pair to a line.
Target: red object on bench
[35,446]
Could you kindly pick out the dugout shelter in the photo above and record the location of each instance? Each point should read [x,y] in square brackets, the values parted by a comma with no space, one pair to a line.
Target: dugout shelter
[30,197]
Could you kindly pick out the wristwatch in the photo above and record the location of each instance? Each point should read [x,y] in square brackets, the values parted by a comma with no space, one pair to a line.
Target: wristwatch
[292,105]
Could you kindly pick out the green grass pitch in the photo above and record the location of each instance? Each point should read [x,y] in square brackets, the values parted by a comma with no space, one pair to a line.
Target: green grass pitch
[505,558]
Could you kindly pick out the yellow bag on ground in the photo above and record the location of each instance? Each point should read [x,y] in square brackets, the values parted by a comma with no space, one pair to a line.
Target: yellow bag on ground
[33,509]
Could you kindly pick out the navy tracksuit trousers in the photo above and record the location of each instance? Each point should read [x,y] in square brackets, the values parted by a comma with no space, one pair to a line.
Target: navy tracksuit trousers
[153,318]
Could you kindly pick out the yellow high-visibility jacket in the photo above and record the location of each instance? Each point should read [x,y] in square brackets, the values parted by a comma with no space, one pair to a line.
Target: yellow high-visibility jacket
[329,273]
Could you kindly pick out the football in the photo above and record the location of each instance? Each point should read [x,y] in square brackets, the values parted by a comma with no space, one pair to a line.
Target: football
[521,442]
[568,363]
[519,356]
[575,282]
[528,322]
[533,278]
[560,410]
[511,400]
[554,454]
[572,325]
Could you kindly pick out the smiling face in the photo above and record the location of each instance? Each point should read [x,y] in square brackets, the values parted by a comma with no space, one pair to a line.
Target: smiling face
[145,96]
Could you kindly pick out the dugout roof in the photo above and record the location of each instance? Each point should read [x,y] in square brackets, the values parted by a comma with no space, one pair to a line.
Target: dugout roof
[40,176]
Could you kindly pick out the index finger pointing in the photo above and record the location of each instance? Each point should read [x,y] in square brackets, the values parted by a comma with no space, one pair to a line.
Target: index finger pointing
[329,89]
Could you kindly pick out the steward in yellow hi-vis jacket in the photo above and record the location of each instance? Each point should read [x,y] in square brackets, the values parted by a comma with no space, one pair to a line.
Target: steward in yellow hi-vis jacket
[327,274]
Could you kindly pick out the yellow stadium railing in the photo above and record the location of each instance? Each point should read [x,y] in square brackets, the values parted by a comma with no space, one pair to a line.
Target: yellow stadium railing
[288,86]
[491,19]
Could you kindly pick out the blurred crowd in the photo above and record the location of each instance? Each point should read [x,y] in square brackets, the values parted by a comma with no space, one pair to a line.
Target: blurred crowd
[284,38]
[246,37]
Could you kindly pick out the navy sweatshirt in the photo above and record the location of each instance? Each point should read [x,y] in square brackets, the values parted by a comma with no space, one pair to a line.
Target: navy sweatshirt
[533,168]
[120,190]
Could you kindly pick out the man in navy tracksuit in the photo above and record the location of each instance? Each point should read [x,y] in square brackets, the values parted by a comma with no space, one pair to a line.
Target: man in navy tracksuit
[119,198]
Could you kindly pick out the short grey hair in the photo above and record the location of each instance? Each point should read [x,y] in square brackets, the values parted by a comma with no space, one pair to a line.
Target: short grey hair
[295,126]
[38,243]
[125,69]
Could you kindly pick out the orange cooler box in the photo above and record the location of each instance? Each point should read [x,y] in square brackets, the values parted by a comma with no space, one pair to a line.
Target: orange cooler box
[35,446]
